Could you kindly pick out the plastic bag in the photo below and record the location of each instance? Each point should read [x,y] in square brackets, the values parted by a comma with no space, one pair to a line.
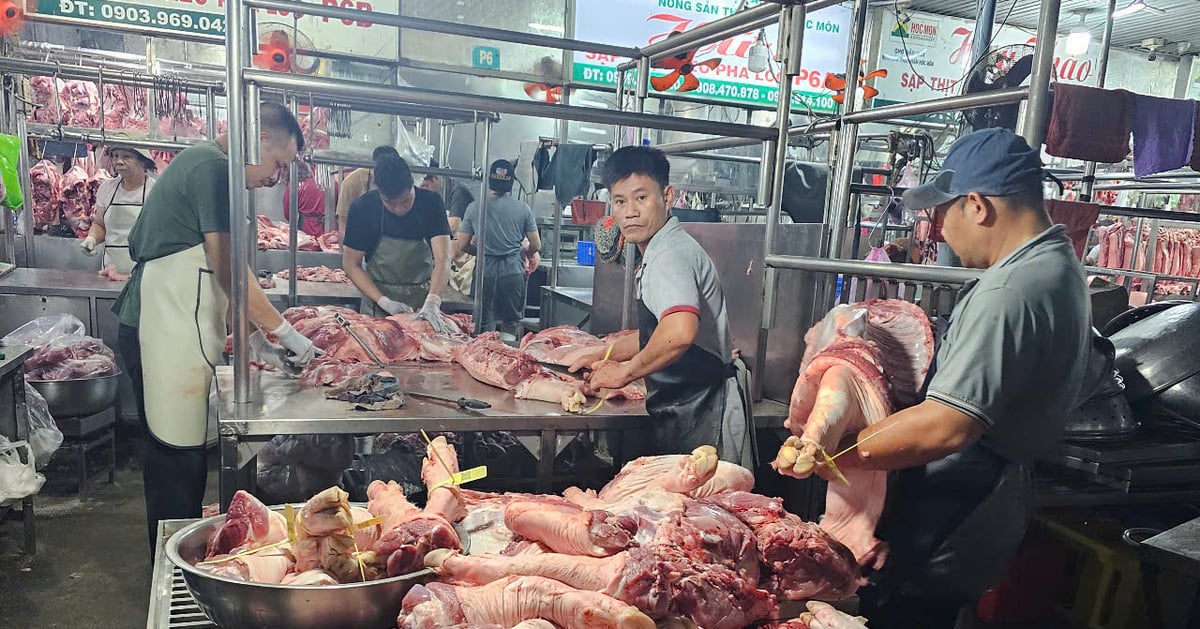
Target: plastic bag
[44,435]
[292,468]
[877,254]
[412,148]
[848,319]
[10,150]
[18,478]
[42,330]
[71,357]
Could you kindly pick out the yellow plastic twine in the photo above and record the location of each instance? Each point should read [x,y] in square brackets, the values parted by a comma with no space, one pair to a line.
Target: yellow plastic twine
[595,408]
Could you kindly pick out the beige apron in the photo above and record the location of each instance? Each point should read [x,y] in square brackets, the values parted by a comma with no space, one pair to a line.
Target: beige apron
[182,331]
[401,270]
[118,222]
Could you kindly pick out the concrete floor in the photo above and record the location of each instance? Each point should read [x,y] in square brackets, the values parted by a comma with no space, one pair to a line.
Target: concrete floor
[92,566]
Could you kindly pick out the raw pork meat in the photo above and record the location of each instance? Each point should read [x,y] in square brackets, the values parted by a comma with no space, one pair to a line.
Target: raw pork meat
[410,321]
[83,104]
[330,371]
[802,561]
[320,273]
[47,96]
[514,600]
[697,475]
[71,357]
[490,361]
[77,209]
[248,524]
[330,242]
[111,274]
[46,180]
[414,535]
[567,528]
[271,566]
[125,108]
[274,235]
[389,341]
[822,616]
[550,386]
[847,382]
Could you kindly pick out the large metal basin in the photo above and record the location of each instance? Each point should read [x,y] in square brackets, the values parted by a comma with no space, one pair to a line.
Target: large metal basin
[235,604]
[78,398]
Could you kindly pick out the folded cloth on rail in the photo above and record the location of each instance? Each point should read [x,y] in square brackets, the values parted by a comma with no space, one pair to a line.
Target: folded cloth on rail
[1162,133]
[1077,217]
[572,169]
[1089,123]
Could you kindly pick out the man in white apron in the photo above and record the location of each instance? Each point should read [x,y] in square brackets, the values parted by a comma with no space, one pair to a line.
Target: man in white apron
[118,202]
[173,309]
[404,236]
[683,349]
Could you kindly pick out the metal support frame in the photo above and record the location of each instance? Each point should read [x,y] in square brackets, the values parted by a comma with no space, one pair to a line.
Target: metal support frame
[481,234]
[629,295]
[1037,110]
[293,217]
[237,45]
[1089,169]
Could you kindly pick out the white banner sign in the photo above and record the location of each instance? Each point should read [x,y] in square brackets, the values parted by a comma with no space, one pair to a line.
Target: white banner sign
[927,57]
[636,23]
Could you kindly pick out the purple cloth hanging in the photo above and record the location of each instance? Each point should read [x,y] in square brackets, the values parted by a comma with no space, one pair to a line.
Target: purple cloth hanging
[1162,133]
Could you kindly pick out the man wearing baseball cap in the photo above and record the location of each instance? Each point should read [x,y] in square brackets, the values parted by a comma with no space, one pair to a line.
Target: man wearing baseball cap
[509,224]
[1006,373]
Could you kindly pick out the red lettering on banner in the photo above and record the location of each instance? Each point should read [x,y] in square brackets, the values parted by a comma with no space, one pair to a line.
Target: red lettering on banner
[964,46]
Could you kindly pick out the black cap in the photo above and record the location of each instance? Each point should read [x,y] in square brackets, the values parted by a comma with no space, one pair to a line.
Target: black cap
[500,176]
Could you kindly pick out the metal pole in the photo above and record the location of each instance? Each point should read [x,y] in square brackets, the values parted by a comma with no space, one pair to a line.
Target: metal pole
[983,29]
[1037,110]
[481,234]
[443,145]
[847,140]
[293,216]
[210,108]
[439,26]
[365,93]
[791,45]
[620,130]
[563,132]
[27,185]
[9,103]
[629,294]
[236,36]
[1087,185]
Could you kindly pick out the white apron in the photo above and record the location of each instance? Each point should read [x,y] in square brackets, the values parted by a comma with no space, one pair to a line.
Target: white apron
[182,331]
[118,222]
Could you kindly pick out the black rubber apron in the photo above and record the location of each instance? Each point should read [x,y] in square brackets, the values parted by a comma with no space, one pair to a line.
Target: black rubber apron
[923,523]
[686,400]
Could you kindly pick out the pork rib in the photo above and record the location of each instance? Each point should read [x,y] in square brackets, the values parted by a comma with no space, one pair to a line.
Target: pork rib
[490,361]
[514,600]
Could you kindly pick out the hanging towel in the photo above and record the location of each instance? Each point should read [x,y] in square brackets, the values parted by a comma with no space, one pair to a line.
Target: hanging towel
[1089,123]
[1078,219]
[1196,141]
[1162,133]
[572,166]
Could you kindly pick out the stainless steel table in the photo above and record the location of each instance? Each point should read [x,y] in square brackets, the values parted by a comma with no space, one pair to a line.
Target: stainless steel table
[171,605]
[575,300]
[15,426]
[282,408]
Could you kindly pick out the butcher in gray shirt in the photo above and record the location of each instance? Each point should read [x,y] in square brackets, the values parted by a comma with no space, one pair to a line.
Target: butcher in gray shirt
[1005,376]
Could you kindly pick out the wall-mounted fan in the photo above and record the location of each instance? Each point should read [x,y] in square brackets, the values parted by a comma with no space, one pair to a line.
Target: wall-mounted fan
[277,51]
[12,17]
[681,65]
[548,90]
[1004,68]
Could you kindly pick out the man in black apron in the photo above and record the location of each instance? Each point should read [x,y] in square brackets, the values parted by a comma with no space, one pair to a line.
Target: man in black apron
[360,181]
[1006,373]
[403,233]
[683,349]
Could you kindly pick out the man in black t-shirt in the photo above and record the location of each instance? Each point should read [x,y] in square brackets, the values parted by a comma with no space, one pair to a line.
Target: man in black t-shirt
[403,234]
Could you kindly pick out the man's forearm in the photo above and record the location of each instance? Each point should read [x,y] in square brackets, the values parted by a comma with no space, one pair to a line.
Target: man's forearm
[363,282]
[625,348]
[912,437]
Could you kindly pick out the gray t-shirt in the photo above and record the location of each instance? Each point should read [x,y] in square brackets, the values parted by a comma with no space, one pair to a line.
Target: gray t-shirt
[508,222]
[677,275]
[1016,350]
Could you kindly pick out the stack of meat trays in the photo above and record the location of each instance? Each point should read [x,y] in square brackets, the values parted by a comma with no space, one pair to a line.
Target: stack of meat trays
[1156,459]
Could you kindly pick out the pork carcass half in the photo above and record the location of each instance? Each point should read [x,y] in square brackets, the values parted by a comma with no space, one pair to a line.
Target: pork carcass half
[490,361]
[861,362]
[388,340]
[46,181]
[514,600]
[75,200]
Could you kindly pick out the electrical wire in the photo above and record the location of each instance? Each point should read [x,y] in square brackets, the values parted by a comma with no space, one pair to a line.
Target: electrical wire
[970,70]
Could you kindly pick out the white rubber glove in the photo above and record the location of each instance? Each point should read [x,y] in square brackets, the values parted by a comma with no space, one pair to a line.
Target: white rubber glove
[302,349]
[391,306]
[265,351]
[89,245]
[432,312]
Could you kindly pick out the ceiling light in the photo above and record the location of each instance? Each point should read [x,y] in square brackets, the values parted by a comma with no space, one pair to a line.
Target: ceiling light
[549,28]
[1079,39]
[1130,9]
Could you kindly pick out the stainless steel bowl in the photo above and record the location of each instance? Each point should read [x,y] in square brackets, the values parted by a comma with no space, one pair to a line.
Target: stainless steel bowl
[235,604]
[78,398]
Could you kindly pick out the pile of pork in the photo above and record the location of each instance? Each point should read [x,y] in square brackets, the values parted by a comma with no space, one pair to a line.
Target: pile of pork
[78,104]
[320,273]
[670,537]
[65,199]
[1176,252]
[275,234]
[404,337]
[861,363]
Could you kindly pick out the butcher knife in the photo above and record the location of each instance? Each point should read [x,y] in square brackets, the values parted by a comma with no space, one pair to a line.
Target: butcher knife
[462,402]
[557,368]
